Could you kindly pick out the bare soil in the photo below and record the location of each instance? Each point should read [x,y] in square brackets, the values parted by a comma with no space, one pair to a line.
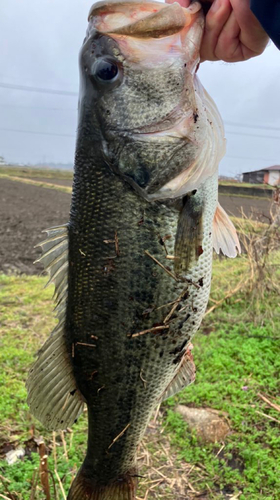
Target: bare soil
[26,210]
[257,208]
[59,182]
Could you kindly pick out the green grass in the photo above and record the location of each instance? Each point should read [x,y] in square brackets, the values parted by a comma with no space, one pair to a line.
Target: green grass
[236,356]
[26,320]
[245,185]
[38,183]
[36,172]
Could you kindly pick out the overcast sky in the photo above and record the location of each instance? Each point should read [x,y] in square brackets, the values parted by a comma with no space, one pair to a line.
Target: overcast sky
[39,44]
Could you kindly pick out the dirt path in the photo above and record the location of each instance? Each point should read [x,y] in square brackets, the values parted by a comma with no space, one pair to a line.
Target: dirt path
[26,210]
[258,208]
[59,182]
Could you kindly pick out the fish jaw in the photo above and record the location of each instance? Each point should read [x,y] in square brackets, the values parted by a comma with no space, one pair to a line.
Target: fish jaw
[138,26]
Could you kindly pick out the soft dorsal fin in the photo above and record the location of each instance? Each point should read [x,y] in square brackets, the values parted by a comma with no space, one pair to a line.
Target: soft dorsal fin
[52,393]
[224,234]
[184,376]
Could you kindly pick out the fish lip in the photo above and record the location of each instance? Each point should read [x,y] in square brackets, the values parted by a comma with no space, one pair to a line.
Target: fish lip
[113,4]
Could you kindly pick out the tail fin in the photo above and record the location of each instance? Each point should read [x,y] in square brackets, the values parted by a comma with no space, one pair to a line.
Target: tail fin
[84,488]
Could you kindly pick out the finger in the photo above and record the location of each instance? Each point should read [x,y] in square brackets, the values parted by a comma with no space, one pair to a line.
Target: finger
[216,18]
[240,39]
[229,47]
[252,36]
[183,3]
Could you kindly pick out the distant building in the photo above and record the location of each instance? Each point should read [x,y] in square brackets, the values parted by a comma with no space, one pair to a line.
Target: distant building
[269,175]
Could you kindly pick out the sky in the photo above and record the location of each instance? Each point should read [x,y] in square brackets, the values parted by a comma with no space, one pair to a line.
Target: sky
[39,44]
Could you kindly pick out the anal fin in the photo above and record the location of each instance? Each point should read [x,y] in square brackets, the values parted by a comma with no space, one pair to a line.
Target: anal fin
[185,375]
[52,393]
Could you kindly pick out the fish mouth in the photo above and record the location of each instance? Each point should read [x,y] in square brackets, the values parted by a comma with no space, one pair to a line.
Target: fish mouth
[143,19]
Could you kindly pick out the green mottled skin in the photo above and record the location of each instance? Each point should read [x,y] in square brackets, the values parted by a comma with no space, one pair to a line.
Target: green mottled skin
[109,295]
[116,291]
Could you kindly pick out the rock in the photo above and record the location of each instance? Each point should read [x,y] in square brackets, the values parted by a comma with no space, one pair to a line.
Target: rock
[207,423]
[14,455]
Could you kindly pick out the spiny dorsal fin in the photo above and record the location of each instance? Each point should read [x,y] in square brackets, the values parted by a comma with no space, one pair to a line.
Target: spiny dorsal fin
[184,376]
[224,234]
[52,393]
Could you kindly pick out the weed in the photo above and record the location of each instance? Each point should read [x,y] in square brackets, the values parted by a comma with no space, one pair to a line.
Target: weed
[236,360]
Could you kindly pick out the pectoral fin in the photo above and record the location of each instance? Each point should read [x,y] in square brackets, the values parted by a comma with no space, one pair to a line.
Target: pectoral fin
[188,244]
[225,237]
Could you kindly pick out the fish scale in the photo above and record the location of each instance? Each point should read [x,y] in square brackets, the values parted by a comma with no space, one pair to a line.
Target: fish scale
[133,285]
[132,267]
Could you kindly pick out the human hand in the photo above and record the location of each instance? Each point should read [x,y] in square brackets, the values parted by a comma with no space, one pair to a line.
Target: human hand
[232,32]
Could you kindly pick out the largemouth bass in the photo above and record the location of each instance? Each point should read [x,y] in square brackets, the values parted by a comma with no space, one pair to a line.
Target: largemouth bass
[132,267]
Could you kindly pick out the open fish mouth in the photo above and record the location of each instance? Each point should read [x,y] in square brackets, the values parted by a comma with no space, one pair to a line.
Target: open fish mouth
[150,31]
[141,19]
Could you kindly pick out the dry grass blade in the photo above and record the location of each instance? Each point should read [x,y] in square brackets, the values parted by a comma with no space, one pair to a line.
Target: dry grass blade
[161,265]
[6,490]
[258,241]
[268,416]
[64,445]
[60,485]
[236,496]
[150,330]
[34,483]
[266,400]
[165,477]
[229,294]
[119,436]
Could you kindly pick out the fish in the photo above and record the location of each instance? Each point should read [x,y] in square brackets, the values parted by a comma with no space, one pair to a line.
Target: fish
[132,267]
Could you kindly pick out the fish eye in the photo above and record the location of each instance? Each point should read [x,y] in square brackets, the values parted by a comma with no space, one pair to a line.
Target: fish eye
[105,70]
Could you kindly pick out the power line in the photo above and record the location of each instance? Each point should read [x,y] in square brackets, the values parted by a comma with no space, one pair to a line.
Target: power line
[251,159]
[68,93]
[254,135]
[36,89]
[247,125]
[35,132]
[36,107]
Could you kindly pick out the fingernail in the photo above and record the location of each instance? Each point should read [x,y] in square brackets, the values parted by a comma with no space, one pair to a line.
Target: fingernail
[216,5]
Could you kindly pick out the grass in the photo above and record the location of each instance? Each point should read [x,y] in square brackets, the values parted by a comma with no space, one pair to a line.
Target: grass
[253,197]
[47,185]
[238,359]
[245,185]
[36,172]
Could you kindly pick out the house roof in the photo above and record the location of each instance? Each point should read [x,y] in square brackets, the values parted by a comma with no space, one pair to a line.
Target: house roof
[274,167]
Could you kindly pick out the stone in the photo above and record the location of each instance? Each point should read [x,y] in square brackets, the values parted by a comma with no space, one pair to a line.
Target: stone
[207,423]
[14,455]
